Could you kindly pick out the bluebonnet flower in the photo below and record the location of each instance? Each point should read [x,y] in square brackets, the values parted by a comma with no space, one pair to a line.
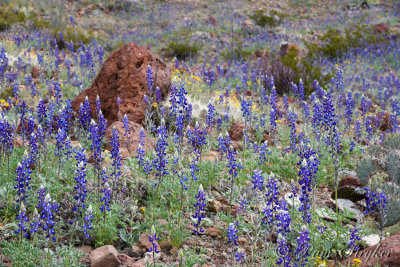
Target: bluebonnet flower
[140,151]
[160,161]
[84,116]
[368,127]
[101,121]
[80,178]
[87,221]
[41,113]
[246,107]
[116,157]
[224,142]
[127,129]
[282,217]
[34,148]
[365,105]
[243,202]
[272,191]
[23,177]
[197,139]
[72,20]
[6,137]
[232,234]
[272,119]
[47,207]
[283,251]
[321,228]
[353,239]
[180,112]
[96,139]
[105,199]
[239,255]
[3,63]
[210,119]
[258,180]
[348,111]
[292,124]
[199,205]
[153,240]
[303,245]
[22,219]
[35,222]
[301,90]
[376,201]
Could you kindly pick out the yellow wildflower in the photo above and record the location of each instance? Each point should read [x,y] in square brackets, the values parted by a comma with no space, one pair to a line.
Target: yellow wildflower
[143,209]
[155,105]
[356,262]
[2,101]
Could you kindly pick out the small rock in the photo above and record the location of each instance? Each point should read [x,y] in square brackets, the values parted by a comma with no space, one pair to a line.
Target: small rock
[136,252]
[85,249]
[213,232]
[165,245]
[214,206]
[242,240]
[105,256]
[371,240]
[145,243]
[125,259]
[350,206]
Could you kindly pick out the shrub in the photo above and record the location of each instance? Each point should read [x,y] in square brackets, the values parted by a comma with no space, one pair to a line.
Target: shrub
[262,19]
[182,49]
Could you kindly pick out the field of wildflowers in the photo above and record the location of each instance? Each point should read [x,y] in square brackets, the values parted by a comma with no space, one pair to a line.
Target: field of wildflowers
[252,147]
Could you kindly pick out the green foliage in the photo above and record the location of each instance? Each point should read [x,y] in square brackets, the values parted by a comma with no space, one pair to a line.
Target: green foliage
[10,15]
[262,19]
[183,48]
[106,230]
[334,43]
[24,254]
[384,173]
[6,93]
[237,52]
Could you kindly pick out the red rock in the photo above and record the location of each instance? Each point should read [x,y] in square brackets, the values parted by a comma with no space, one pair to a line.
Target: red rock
[381,28]
[35,72]
[236,131]
[212,20]
[248,93]
[350,181]
[388,253]
[123,75]
[125,259]
[129,148]
[105,256]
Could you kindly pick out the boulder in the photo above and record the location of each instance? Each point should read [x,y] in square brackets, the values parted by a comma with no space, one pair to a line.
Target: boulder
[123,75]
[129,146]
[388,253]
[105,256]
[236,131]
